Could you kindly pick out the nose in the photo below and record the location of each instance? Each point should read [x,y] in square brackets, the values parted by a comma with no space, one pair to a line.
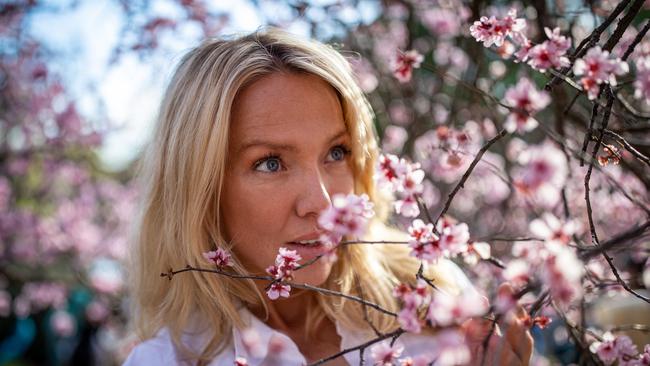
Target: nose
[313,196]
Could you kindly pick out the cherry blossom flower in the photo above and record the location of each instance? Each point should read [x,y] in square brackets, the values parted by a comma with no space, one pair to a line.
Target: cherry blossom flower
[444,23]
[404,178]
[348,215]
[542,173]
[615,348]
[526,100]
[285,262]
[452,348]
[550,53]
[445,309]
[562,272]
[278,290]
[394,138]
[642,82]
[551,229]
[475,252]
[412,298]
[423,242]
[494,31]
[383,354]
[219,257]
[598,68]
[517,272]
[404,63]
[453,237]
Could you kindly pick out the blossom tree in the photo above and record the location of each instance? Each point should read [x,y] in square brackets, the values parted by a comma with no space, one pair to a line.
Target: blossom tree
[515,144]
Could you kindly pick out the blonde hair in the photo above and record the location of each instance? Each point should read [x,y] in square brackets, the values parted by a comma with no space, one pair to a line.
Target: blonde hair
[182,175]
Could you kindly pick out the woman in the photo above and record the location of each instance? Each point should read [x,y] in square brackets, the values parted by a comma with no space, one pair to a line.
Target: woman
[254,136]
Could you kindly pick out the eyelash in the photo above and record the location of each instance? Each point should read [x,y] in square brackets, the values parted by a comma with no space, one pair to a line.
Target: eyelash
[346,152]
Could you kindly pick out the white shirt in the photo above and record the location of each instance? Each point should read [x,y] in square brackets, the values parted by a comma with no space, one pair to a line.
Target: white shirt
[160,350]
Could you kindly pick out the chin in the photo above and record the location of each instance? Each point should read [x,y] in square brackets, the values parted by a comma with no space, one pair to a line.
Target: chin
[315,274]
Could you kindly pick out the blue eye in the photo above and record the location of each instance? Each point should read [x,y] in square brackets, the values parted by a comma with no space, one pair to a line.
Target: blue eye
[339,152]
[269,164]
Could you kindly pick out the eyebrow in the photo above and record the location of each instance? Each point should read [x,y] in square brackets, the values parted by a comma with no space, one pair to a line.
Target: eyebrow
[284,147]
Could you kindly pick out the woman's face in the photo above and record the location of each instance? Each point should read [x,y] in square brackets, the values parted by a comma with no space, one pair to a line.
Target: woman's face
[288,154]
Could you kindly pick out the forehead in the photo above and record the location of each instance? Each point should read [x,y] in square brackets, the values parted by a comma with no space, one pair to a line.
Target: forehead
[285,105]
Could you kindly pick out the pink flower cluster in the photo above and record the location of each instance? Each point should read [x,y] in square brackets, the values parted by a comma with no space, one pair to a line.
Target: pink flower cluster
[219,257]
[548,54]
[552,230]
[447,152]
[526,100]
[385,354]
[598,68]
[446,310]
[404,63]
[348,215]
[285,262]
[621,349]
[452,239]
[495,31]
[541,172]
[450,349]
[404,178]
[556,264]
[412,299]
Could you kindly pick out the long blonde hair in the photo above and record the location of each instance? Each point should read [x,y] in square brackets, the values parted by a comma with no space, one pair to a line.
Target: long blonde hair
[182,175]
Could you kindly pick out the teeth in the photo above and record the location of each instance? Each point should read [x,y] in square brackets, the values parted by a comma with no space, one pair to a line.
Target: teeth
[308,242]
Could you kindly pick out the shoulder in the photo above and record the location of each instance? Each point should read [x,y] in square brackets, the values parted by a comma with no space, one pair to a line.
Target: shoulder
[158,350]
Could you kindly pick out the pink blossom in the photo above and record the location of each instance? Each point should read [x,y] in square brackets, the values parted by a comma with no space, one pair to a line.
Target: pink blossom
[549,54]
[285,262]
[562,272]
[348,215]
[615,348]
[517,272]
[442,22]
[220,257]
[404,63]
[526,100]
[394,138]
[551,229]
[278,290]
[475,252]
[453,237]
[642,82]
[445,309]
[409,320]
[452,348]
[423,242]
[598,68]
[383,354]
[541,173]
[404,178]
[494,31]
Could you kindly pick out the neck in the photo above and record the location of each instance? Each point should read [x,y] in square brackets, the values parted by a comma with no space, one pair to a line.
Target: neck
[286,314]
